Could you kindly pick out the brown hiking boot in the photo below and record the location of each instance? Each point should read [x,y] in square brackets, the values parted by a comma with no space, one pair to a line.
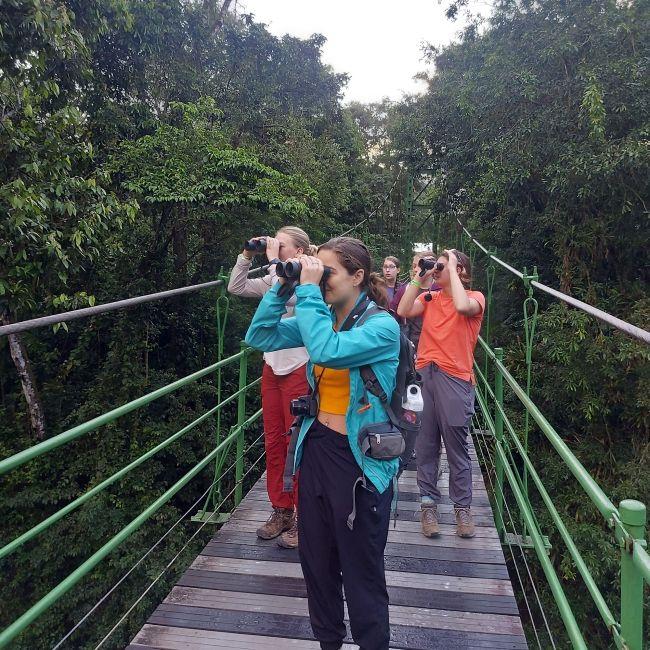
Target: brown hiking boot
[429,521]
[281,519]
[464,522]
[289,538]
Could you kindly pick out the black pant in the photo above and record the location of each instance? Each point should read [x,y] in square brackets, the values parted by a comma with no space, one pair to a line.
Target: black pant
[331,554]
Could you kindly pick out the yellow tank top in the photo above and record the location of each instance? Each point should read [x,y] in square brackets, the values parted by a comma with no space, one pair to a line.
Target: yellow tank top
[333,389]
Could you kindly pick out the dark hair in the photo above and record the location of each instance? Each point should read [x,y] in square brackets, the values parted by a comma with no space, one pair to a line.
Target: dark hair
[464,261]
[354,255]
[394,260]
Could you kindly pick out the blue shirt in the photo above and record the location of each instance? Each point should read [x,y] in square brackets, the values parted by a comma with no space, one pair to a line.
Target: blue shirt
[375,343]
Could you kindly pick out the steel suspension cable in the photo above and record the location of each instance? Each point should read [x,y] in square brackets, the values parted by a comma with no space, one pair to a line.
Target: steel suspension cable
[512,555]
[151,549]
[379,206]
[171,562]
[523,555]
[617,323]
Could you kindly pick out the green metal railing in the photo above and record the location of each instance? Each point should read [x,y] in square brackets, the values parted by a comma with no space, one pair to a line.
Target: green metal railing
[236,437]
[512,468]
[627,522]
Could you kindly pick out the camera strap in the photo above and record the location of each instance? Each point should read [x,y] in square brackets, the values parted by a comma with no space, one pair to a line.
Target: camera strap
[350,321]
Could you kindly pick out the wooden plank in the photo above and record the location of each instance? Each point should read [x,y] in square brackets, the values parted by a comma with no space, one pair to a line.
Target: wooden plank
[410,526]
[294,606]
[451,554]
[260,513]
[408,596]
[486,586]
[277,625]
[180,638]
[478,499]
[403,515]
[405,537]
[395,560]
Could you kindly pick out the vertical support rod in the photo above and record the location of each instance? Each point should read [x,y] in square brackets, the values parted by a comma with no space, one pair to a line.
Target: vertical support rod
[241,417]
[633,516]
[498,430]
[409,231]
[490,273]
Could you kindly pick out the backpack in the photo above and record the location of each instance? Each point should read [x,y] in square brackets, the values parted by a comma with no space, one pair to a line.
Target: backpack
[407,421]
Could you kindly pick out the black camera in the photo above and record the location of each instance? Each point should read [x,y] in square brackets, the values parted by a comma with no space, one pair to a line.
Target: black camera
[428,263]
[305,406]
[291,271]
[255,245]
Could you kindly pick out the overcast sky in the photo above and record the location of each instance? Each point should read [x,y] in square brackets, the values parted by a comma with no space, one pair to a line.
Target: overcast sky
[377,42]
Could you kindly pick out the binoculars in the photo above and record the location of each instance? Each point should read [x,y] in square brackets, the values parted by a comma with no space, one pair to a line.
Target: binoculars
[255,245]
[291,270]
[426,264]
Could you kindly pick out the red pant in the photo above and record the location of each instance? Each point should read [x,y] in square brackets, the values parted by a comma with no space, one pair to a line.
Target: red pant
[277,392]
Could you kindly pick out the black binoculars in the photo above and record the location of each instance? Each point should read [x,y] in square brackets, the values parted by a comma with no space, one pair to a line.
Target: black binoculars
[291,270]
[427,263]
[255,245]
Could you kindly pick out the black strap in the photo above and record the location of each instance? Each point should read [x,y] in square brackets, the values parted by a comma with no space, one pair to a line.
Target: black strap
[356,315]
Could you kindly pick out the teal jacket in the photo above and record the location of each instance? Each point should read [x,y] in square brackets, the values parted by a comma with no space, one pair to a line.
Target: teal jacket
[374,343]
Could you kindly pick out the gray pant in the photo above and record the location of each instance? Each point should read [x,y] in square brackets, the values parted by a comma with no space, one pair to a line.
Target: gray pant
[447,415]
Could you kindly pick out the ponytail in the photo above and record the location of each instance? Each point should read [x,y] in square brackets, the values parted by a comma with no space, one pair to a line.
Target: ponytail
[376,290]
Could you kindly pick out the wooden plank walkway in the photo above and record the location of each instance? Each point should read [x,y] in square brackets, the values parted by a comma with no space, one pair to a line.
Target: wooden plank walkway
[242,592]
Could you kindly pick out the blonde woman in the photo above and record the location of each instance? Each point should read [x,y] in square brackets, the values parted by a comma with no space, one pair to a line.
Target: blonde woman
[283,379]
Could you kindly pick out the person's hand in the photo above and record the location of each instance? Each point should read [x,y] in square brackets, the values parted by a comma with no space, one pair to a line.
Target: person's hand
[312,270]
[428,274]
[249,255]
[453,260]
[272,248]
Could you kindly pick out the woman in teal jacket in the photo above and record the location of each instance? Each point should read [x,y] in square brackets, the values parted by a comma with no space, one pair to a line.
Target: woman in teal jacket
[345,496]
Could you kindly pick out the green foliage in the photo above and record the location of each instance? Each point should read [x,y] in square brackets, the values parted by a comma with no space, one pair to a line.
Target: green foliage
[142,144]
[535,125]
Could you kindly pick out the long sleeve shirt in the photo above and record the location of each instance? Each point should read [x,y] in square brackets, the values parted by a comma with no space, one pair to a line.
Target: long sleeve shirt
[282,362]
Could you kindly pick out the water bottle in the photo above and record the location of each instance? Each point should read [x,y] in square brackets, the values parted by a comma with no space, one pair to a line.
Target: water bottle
[413,399]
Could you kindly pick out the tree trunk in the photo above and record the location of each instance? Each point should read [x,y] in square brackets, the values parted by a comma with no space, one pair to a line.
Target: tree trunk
[217,14]
[23,367]
[179,245]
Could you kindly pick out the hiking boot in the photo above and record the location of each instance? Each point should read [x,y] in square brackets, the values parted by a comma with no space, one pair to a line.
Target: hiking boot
[464,522]
[289,539]
[429,520]
[281,519]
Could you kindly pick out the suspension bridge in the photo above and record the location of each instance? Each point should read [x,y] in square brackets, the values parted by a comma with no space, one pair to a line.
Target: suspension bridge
[242,592]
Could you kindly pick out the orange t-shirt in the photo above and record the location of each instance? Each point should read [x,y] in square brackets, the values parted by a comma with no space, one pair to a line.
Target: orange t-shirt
[448,338]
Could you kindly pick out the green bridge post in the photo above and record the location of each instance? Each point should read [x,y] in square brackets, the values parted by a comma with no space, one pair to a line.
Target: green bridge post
[633,517]
[498,432]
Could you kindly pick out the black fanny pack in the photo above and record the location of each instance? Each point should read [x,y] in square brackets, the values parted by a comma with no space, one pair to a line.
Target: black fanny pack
[381,441]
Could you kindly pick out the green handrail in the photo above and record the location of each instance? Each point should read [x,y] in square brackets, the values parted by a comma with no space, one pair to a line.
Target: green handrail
[605,612]
[21,623]
[73,505]
[41,448]
[593,490]
[628,522]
